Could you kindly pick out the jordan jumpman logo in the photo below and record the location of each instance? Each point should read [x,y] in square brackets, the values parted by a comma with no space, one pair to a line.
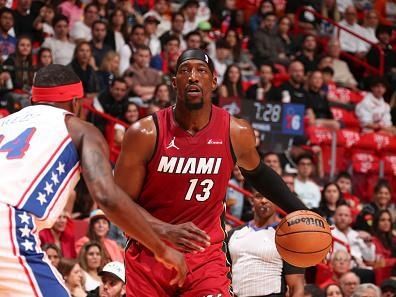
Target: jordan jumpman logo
[172,144]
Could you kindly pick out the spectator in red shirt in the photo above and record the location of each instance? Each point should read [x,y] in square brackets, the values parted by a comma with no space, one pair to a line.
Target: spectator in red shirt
[340,264]
[385,245]
[344,181]
[62,235]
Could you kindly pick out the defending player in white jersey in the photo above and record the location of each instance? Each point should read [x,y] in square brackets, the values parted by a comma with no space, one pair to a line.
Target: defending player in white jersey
[43,148]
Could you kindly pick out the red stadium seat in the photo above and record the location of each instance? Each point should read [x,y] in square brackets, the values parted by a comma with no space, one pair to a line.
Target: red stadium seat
[347,117]
[80,228]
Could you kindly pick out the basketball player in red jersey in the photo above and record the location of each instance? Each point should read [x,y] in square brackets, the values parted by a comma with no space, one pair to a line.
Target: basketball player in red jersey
[176,164]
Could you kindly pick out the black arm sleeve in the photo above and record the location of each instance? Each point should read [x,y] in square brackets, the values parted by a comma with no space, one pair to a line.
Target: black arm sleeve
[271,186]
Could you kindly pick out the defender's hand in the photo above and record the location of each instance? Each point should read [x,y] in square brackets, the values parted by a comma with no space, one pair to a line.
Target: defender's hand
[173,259]
[187,237]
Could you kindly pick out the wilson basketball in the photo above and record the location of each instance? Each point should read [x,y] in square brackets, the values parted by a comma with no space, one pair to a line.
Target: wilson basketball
[303,238]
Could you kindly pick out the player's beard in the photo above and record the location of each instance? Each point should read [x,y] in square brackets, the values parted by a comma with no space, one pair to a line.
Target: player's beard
[193,105]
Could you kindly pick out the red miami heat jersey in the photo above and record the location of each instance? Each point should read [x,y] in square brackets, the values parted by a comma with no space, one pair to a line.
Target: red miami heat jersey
[188,174]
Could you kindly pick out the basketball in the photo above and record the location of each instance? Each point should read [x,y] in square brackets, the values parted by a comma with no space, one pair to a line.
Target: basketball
[303,238]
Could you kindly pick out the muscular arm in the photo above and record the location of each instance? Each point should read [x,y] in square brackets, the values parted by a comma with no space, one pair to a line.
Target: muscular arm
[259,175]
[96,170]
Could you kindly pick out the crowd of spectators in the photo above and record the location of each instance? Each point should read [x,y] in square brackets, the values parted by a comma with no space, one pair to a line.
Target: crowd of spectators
[268,51]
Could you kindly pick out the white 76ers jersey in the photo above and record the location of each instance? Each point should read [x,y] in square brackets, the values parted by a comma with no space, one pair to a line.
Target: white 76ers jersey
[38,161]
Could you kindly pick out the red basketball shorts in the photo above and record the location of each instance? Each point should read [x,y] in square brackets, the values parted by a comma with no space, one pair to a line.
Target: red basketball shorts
[207,277]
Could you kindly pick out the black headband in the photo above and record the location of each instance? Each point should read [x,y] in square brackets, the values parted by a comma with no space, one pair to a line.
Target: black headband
[195,54]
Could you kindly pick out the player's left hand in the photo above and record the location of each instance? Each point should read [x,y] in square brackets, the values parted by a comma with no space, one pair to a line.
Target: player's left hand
[187,237]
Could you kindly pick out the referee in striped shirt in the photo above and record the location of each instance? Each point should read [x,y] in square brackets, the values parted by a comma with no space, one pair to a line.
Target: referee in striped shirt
[257,268]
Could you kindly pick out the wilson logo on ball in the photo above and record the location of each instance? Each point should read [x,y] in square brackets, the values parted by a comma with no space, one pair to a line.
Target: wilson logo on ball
[307,221]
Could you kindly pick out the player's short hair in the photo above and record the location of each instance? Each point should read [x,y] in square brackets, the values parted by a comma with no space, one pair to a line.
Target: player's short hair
[55,75]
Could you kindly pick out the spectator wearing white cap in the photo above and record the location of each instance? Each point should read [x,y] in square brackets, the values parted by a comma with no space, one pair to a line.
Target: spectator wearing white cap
[113,281]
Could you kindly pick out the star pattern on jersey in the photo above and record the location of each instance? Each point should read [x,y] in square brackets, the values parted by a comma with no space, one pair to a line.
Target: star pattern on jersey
[61,168]
[24,218]
[41,198]
[25,231]
[54,178]
[48,188]
[28,245]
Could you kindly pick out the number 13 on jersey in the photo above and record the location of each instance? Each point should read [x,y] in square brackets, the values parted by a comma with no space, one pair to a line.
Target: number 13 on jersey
[206,184]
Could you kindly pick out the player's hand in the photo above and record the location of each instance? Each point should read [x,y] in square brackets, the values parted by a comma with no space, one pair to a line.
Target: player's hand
[173,259]
[187,237]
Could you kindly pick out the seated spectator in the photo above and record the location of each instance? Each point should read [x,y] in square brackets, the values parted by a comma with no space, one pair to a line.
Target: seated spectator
[91,260]
[193,39]
[385,245]
[234,198]
[384,35]
[330,199]
[61,235]
[255,260]
[151,23]
[72,274]
[44,57]
[72,10]
[112,101]
[307,190]
[373,112]
[333,291]
[265,7]
[369,26]
[25,13]
[221,59]
[231,88]
[287,43]
[344,181]
[264,90]
[108,70]
[43,23]
[192,19]
[98,230]
[266,46]
[348,283]
[348,42]
[176,29]
[340,264]
[381,200]
[60,45]
[140,78]
[20,69]
[342,74]
[117,30]
[272,160]
[82,66]
[104,7]
[367,290]
[239,55]
[168,57]
[161,10]
[361,248]
[308,55]
[293,90]
[7,42]
[163,95]
[319,113]
[113,281]
[81,30]
[136,38]
[131,115]
[53,253]
[289,178]
[99,47]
